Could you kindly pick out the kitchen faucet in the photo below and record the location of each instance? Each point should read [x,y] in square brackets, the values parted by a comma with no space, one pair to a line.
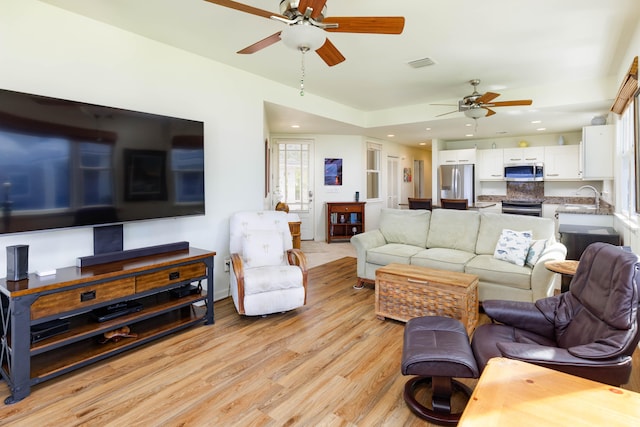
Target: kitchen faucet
[596,192]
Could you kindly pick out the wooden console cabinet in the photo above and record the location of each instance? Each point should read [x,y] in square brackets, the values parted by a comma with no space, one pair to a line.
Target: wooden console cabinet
[71,295]
[344,219]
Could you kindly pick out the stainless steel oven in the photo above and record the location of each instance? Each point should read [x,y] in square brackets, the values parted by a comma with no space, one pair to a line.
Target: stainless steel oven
[522,207]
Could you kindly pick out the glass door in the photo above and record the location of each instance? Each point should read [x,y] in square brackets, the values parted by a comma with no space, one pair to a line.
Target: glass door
[294,185]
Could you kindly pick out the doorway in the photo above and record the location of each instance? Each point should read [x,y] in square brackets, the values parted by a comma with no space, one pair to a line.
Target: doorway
[393,182]
[293,164]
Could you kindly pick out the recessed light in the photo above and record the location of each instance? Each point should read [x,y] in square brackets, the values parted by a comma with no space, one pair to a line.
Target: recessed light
[469,134]
[391,135]
[422,143]
[295,126]
[541,129]
[536,121]
[428,129]
[468,125]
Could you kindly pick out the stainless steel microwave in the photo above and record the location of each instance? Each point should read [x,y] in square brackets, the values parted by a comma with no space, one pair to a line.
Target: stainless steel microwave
[524,171]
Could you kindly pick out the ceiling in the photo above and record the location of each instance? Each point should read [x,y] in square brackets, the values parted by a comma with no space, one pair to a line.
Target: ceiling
[565,55]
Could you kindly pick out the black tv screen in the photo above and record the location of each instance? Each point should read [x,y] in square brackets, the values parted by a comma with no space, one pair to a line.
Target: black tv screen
[65,163]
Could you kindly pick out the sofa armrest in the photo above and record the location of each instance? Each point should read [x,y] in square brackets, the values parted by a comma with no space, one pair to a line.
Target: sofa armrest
[363,242]
[542,278]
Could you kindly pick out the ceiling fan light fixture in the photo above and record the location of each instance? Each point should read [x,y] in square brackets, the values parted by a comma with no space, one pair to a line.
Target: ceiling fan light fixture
[475,113]
[303,37]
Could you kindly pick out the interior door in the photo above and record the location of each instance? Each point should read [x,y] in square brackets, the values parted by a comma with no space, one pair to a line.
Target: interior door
[418,178]
[393,182]
[294,180]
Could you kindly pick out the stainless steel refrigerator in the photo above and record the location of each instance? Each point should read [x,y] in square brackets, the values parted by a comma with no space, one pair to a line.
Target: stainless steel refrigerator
[457,182]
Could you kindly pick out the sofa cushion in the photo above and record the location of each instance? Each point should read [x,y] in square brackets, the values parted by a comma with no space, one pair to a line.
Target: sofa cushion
[392,252]
[492,224]
[405,226]
[442,259]
[454,229]
[513,246]
[492,270]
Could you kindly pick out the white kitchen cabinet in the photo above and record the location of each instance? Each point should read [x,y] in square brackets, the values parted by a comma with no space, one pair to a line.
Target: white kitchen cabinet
[457,157]
[490,165]
[524,154]
[597,152]
[562,163]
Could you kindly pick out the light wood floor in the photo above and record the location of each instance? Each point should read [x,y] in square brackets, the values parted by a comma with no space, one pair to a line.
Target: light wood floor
[330,363]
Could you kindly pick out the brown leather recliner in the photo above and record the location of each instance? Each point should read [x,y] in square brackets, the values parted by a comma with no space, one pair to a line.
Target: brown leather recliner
[590,331]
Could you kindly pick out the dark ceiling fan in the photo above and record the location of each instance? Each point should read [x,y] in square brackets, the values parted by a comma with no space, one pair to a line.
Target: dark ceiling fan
[306,25]
[479,105]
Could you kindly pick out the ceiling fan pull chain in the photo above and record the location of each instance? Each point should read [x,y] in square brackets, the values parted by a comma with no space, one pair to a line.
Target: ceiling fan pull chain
[302,73]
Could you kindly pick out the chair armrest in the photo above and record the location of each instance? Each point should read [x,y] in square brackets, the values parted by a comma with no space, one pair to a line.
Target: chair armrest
[519,314]
[541,278]
[297,257]
[363,242]
[237,269]
[550,356]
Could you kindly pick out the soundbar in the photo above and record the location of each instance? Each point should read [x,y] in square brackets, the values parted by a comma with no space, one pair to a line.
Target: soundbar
[88,261]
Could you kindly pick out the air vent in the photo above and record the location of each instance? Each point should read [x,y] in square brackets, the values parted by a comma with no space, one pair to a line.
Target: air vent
[419,63]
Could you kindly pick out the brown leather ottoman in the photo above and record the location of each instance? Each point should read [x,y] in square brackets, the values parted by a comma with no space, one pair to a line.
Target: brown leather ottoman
[436,349]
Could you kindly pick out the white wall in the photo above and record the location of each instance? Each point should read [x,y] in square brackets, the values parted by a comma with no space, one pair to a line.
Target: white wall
[48,51]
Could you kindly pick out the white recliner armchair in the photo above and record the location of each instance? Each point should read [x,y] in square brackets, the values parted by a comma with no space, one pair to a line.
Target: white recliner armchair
[267,274]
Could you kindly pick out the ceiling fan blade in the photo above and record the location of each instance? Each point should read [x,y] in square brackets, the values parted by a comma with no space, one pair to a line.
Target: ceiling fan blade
[490,112]
[330,54]
[245,8]
[266,42]
[316,5]
[487,97]
[444,114]
[510,103]
[366,24]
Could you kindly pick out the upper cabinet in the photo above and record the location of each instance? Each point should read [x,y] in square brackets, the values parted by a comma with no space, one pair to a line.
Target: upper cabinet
[457,157]
[526,154]
[490,165]
[597,152]
[562,163]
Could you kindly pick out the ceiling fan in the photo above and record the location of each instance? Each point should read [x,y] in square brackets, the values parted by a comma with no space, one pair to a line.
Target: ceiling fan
[479,105]
[306,25]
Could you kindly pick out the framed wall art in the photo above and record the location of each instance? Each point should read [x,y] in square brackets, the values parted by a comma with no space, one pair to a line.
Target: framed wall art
[332,171]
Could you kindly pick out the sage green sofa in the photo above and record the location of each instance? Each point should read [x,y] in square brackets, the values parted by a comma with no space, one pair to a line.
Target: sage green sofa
[461,241]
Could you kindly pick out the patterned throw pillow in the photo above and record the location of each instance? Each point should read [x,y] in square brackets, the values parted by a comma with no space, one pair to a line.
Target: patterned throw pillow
[260,248]
[536,248]
[513,246]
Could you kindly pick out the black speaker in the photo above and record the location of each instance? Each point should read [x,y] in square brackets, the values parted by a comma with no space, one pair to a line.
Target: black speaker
[17,262]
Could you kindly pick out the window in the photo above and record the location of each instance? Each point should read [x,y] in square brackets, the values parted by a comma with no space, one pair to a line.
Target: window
[626,154]
[373,170]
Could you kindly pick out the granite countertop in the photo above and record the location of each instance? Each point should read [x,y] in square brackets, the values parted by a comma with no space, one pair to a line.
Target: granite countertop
[567,205]
[584,209]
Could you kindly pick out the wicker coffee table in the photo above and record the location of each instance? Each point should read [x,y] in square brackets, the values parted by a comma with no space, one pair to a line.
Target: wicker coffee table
[407,291]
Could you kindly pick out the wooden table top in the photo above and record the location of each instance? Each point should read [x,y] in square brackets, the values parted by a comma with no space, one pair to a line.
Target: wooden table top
[419,274]
[510,392]
[568,267]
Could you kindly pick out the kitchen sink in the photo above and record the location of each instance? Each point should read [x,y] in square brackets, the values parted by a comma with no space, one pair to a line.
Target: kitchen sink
[579,207]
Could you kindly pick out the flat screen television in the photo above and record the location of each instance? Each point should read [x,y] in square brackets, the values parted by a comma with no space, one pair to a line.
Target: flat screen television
[66,163]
